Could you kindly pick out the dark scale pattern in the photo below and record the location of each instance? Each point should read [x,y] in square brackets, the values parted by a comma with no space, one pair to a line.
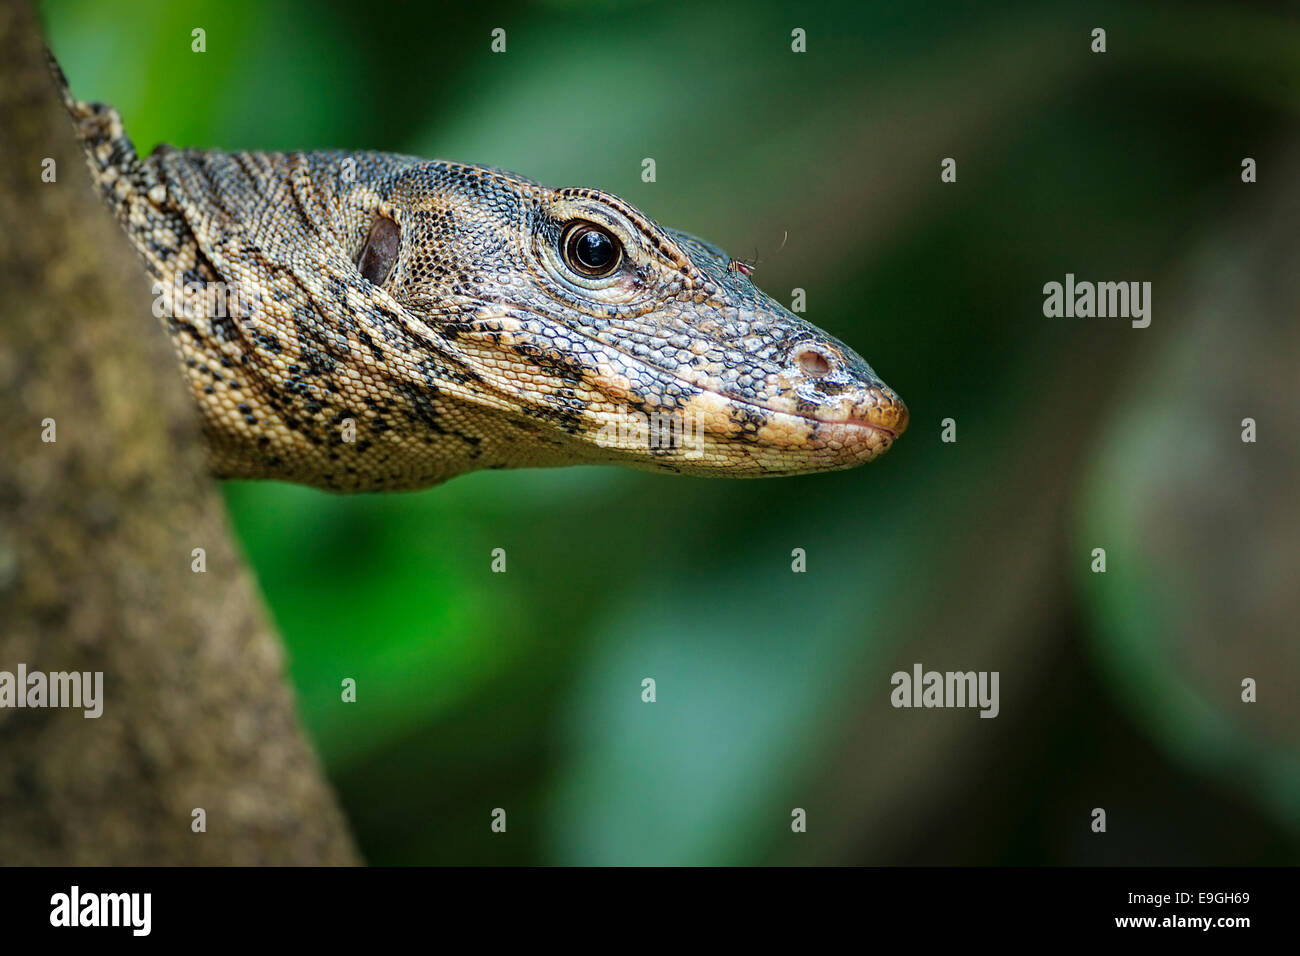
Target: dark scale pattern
[481,346]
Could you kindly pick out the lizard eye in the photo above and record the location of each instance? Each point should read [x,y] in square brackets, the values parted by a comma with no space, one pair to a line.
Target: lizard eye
[590,251]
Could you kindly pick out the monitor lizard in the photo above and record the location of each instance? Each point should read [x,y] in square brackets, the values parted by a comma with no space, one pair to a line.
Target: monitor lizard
[363,321]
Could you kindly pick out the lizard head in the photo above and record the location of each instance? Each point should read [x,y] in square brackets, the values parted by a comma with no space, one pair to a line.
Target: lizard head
[600,336]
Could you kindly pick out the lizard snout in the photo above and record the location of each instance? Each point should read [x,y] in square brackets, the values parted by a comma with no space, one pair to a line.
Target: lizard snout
[881,410]
[835,386]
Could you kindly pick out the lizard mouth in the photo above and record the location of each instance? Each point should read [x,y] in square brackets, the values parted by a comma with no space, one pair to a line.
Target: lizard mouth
[812,442]
[881,412]
[858,423]
[776,434]
[889,419]
[889,416]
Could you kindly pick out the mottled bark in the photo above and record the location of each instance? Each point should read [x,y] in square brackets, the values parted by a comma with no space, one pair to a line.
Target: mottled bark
[97,532]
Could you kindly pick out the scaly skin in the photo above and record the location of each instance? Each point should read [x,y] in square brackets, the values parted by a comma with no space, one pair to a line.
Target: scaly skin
[391,322]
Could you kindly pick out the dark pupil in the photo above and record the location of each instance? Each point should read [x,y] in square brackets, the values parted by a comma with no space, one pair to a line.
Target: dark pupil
[594,250]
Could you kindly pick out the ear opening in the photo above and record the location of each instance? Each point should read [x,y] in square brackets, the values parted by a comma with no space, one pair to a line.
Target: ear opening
[380,252]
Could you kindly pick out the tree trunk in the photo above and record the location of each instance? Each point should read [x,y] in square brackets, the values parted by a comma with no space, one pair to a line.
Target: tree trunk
[98,531]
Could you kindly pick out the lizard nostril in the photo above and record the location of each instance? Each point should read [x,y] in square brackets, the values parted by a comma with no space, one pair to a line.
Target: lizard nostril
[812,362]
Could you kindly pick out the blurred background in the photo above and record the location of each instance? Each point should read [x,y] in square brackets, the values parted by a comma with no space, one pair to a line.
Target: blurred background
[522,690]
